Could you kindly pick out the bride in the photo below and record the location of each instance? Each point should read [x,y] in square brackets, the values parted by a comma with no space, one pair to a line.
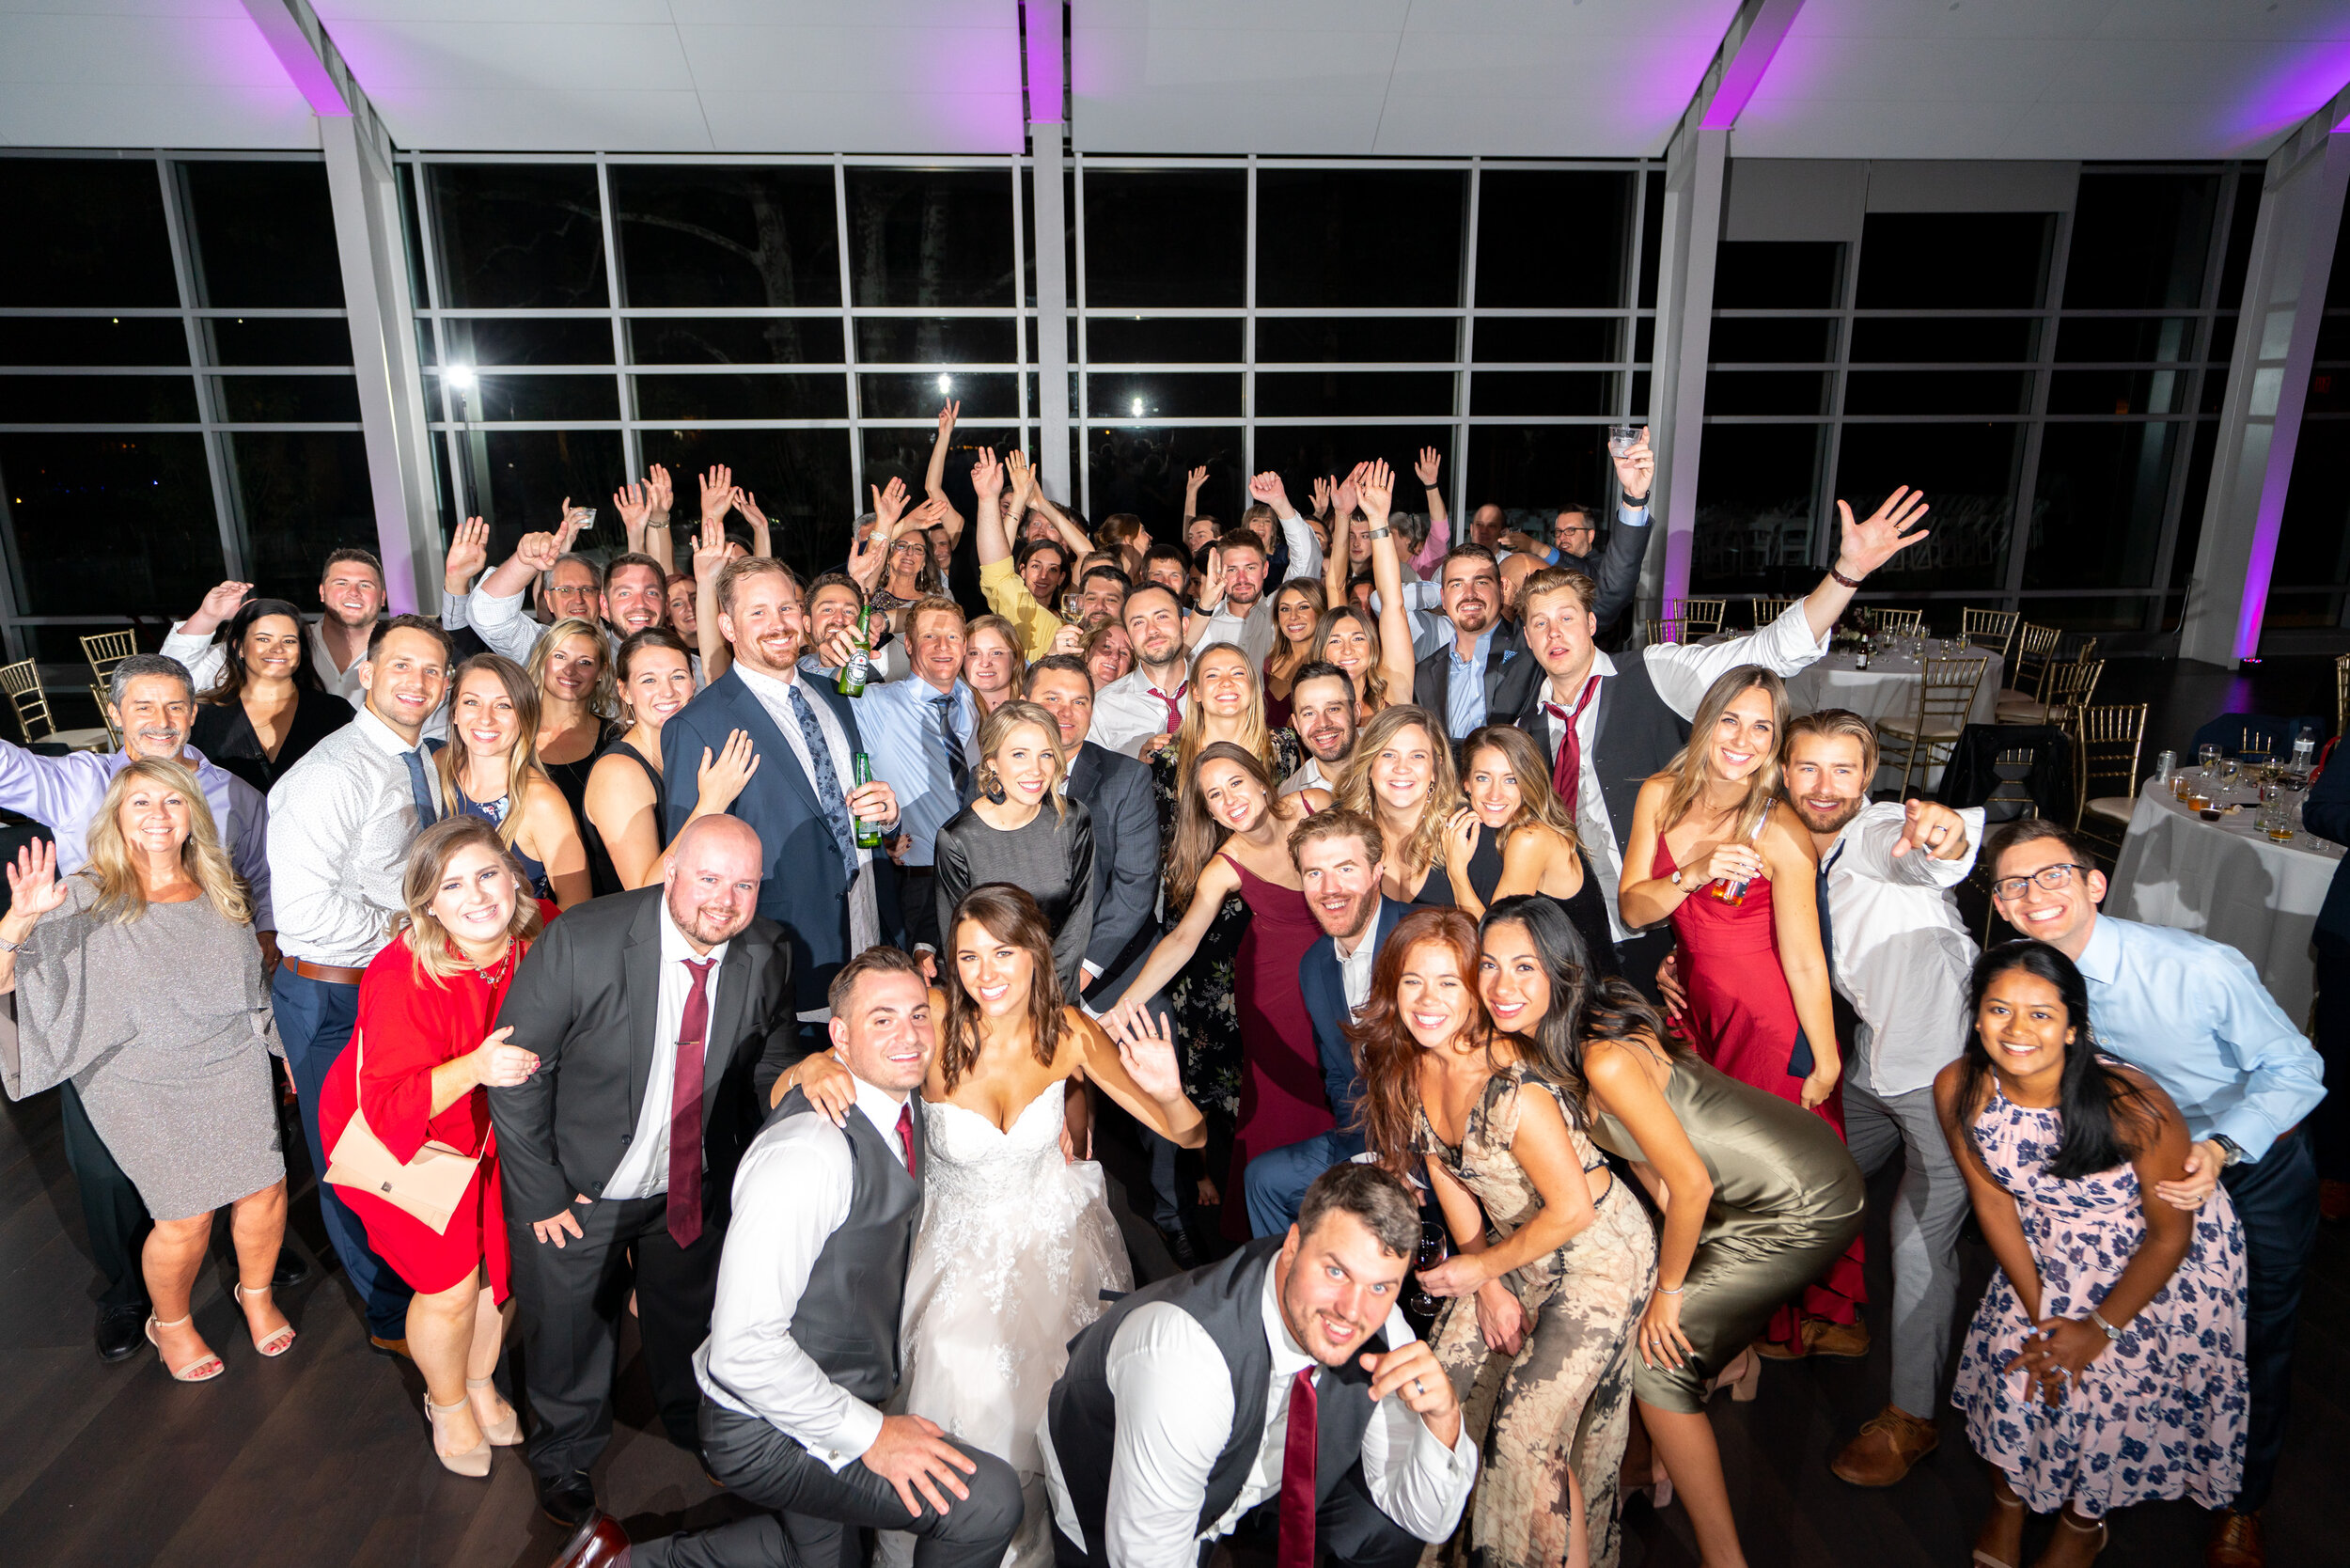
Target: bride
[1016,1245]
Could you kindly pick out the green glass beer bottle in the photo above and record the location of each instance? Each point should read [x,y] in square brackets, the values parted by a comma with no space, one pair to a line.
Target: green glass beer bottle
[860,664]
[868,834]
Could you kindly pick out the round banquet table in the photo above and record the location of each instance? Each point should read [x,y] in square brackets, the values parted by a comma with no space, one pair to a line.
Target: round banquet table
[1887,689]
[2226,881]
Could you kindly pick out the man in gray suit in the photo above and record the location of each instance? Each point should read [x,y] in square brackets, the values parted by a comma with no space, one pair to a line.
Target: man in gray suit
[1116,789]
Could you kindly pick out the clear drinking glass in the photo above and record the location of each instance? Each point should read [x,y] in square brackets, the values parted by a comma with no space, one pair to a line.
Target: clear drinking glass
[2207,757]
[1434,1247]
[1621,439]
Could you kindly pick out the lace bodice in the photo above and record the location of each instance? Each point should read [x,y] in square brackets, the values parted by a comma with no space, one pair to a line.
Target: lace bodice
[971,1158]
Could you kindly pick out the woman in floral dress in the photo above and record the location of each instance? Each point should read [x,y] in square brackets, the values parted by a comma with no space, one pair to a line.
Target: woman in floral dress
[2106,1364]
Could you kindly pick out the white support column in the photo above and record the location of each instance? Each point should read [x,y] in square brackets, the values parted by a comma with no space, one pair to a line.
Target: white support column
[1684,330]
[363,183]
[2268,380]
[1045,130]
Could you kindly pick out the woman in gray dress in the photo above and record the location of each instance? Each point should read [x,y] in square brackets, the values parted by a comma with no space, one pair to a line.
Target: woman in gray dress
[139,977]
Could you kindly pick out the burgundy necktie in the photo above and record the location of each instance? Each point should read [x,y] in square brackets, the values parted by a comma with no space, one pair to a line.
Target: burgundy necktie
[1566,775]
[685,1110]
[1174,706]
[905,1136]
[1296,1550]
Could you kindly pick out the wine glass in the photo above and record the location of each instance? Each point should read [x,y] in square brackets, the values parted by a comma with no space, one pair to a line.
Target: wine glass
[1434,1247]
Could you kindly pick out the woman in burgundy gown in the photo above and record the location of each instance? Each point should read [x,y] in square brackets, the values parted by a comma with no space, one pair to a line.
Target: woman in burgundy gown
[1709,846]
[1231,836]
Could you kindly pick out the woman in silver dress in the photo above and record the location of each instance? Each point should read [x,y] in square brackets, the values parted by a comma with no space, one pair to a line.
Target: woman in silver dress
[139,977]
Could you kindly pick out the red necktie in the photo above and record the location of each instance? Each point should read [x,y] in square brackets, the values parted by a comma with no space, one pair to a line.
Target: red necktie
[1174,706]
[1296,1550]
[1566,775]
[686,1111]
[905,1136]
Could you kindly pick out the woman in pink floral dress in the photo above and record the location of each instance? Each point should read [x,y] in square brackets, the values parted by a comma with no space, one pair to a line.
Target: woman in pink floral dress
[2106,1364]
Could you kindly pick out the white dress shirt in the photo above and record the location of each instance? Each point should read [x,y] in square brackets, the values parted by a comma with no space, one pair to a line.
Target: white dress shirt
[1254,633]
[644,1169]
[1127,712]
[774,694]
[790,1193]
[1175,1414]
[344,817]
[501,622]
[1681,672]
[1355,968]
[1902,955]
[1310,777]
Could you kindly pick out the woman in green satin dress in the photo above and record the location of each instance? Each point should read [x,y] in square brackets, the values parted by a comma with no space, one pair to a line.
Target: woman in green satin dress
[1759,1196]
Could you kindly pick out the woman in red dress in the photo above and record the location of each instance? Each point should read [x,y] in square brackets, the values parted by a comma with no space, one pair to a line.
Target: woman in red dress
[426,1010]
[1232,835]
[1710,843]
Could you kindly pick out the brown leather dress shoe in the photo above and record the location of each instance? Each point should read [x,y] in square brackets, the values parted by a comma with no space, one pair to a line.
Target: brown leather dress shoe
[2236,1542]
[389,1347]
[1886,1448]
[1842,1340]
[599,1542]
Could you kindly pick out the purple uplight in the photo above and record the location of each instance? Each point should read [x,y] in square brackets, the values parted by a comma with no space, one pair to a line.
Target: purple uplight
[2306,82]
[291,46]
[1744,73]
[2267,525]
[1043,37]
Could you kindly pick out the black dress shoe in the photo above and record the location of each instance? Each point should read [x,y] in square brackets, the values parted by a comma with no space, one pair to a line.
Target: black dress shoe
[1180,1248]
[570,1500]
[292,1269]
[120,1332]
[599,1542]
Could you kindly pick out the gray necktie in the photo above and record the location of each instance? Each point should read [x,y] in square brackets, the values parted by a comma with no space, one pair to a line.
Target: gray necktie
[422,789]
[828,796]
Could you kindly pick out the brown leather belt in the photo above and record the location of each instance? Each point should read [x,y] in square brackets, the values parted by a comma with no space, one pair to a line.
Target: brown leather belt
[334,974]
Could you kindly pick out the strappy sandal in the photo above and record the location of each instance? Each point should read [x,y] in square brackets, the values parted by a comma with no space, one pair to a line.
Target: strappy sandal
[508,1432]
[202,1370]
[2064,1518]
[475,1461]
[279,1339]
[1983,1559]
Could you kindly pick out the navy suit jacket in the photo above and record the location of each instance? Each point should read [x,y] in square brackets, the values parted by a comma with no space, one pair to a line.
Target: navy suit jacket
[1116,789]
[803,888]
[1325,1003]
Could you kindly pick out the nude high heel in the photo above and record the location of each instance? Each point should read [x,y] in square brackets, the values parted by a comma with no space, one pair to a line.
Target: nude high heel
[506,1433]
[202,1370]
[279,1339]
[475,1461]
[1742,1385]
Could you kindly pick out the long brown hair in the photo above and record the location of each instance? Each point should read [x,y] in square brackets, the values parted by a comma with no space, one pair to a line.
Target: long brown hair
[1538,803]
[521,761]
[1688,772]
[1384,1045]
[1285,659]
[1197,835]
[1374,693]
[997,728]
[1426,845]
[1009,914]
[428,942]
[1256,736]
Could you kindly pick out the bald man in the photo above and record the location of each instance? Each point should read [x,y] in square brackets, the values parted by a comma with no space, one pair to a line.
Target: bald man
[671,995]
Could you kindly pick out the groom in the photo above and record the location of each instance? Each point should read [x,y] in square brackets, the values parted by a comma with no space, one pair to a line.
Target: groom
[803,1349]
[1285,1371]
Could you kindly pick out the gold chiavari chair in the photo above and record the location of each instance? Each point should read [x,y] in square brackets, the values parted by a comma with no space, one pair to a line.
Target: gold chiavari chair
[1946,699]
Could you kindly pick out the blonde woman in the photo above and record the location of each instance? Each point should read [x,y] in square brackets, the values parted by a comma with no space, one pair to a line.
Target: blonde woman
[627,796]
[1296,612]
[1226,703]
[1516,836]
[1714,850]
[1376,657]
[1025,831]
[578,697]
[426,1052]
[992,664]
[490,770]
[1401,777]
[139,977]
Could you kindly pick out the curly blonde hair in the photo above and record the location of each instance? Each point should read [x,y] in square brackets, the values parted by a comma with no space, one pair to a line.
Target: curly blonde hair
[603,698]
[122,892]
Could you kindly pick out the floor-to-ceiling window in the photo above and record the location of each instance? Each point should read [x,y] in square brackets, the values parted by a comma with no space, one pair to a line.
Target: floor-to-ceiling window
[2312,584]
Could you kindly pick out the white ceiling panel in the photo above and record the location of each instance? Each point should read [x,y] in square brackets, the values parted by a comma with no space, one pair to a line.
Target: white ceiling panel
[144,73]
[2133,79]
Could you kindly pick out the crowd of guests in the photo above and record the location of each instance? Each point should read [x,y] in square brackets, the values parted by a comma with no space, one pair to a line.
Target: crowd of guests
[768,955]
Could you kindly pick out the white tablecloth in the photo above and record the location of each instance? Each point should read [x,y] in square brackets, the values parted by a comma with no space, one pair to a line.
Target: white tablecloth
[1887,689]
[2228,882]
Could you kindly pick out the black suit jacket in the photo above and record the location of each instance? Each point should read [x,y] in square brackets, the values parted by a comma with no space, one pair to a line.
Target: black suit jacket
[1116,789]
[1431,678]
[586,998]
[1325,990]
[804,888]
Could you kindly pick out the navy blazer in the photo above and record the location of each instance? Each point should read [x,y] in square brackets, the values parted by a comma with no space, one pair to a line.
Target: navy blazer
[1116,789]
[803,888]
[1325,1003]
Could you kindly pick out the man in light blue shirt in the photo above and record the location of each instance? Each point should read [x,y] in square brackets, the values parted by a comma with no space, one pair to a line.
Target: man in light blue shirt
[919,732]
[2193,1015]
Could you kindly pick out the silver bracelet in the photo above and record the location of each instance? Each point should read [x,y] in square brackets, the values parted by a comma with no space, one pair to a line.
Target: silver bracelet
[2113,1335]
[1675,1291]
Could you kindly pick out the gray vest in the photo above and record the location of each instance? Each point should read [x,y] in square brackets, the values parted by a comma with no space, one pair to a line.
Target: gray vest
[1224,1299]
[847,1319]
[1636,735]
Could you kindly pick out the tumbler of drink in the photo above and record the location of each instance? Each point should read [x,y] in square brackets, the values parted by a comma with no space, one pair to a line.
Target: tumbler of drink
[1621,439]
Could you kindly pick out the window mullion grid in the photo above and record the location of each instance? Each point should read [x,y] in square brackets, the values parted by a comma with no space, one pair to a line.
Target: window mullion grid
[848,334]
[2174,499]
[1081,483]
[1827,537]
[1464,345]
[631,442]
[1023,316]
[219,452]
[2028,482]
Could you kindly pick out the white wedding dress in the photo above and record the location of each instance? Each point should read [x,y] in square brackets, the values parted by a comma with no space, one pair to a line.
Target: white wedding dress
[1015,1249]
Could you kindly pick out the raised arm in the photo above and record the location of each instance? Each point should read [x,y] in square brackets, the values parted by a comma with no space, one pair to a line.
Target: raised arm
[1866,547]
[1374,484]
[1426,470]
[1137,1069]
[709,559]
[987,484]
[763,539]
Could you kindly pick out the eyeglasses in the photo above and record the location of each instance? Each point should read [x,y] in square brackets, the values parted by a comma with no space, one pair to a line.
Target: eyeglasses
[2054,879]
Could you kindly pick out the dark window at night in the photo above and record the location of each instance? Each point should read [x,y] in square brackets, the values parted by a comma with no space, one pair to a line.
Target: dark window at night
[517,235]
[1355,237]
[1165,237]
[1552,238]
[700,236]
[1771,274]
[99,238]
[930,237]
[2139,240]
[1954,260]
[264,234]
[118,525]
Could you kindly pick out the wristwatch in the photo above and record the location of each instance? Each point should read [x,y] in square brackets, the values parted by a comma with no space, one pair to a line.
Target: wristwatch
[1674,876]
[2228,1151]
[1381,532]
